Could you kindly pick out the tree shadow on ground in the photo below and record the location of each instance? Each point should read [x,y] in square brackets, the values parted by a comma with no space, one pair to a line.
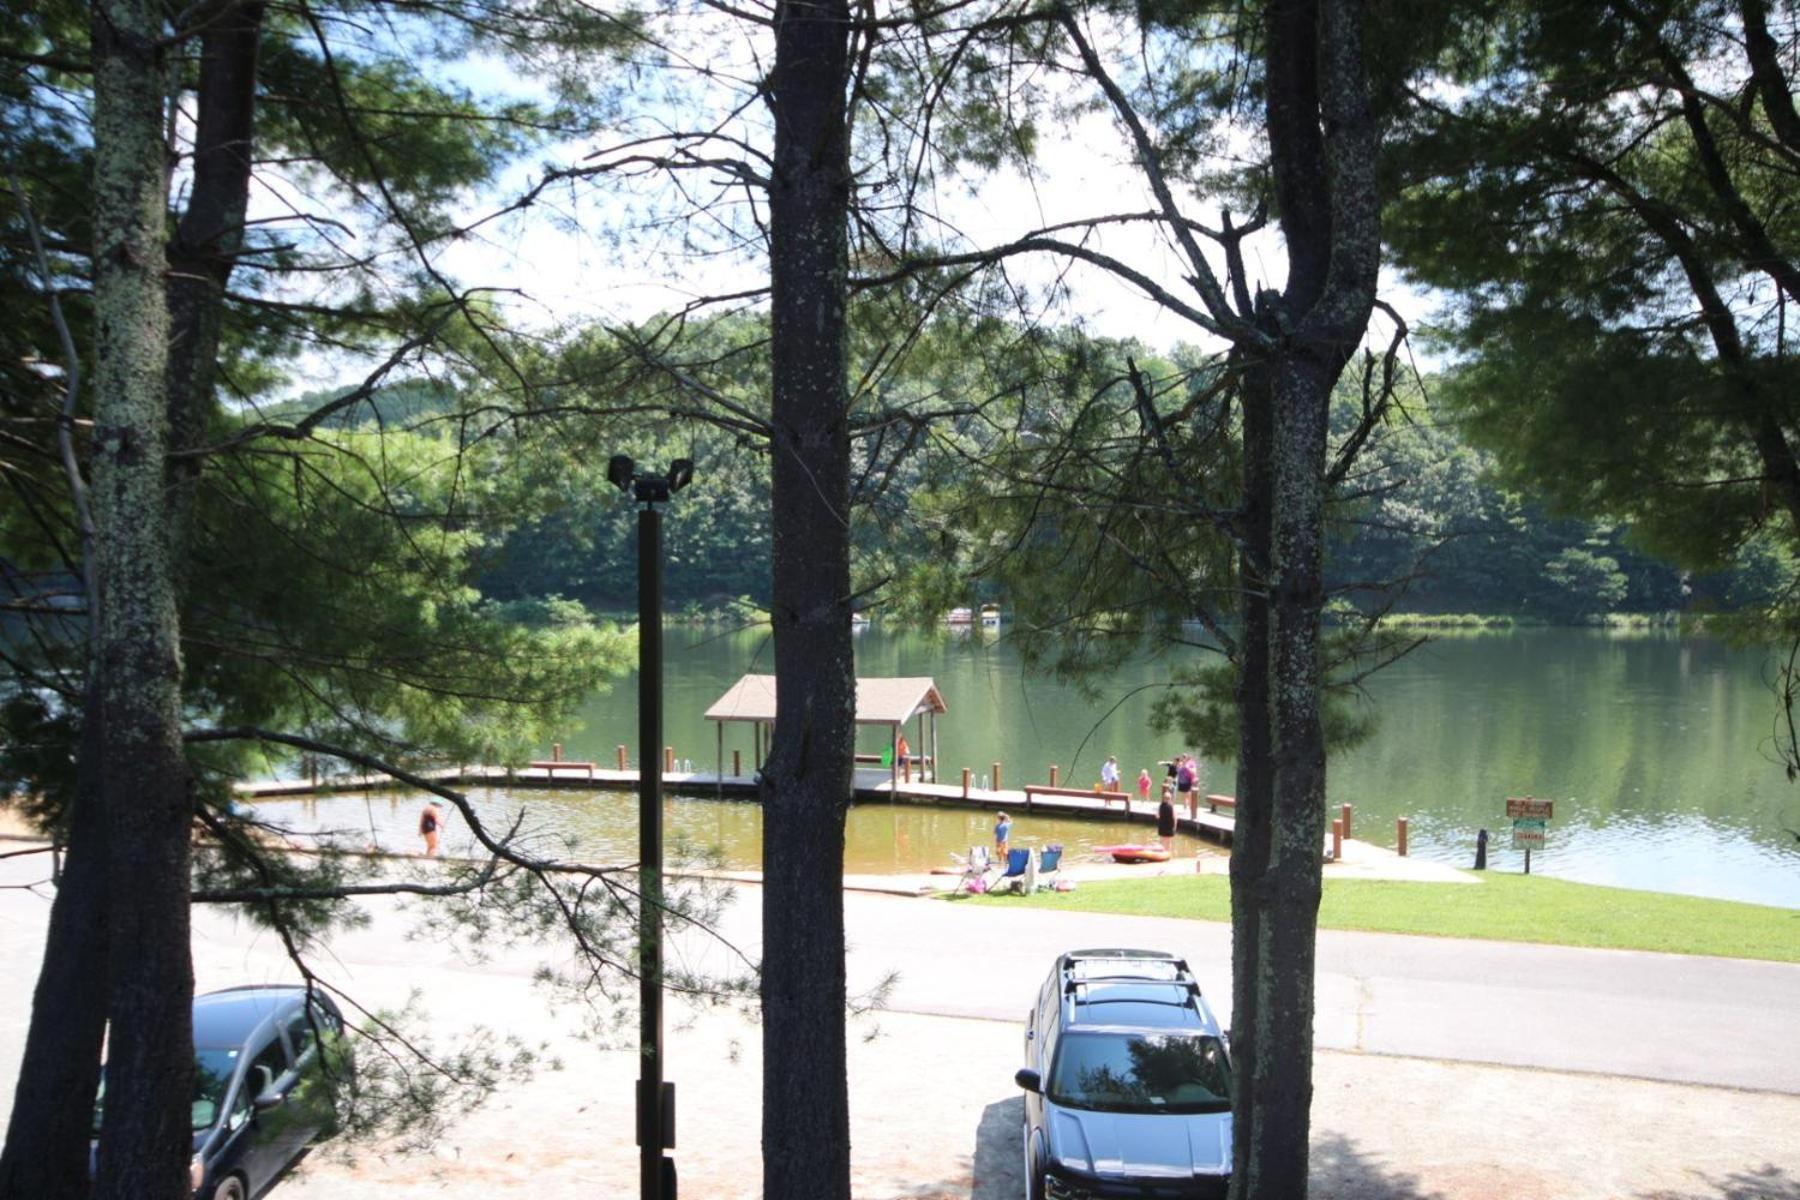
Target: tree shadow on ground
[1767,1182]
[999,1167]
[1342,1172]
[996,1168]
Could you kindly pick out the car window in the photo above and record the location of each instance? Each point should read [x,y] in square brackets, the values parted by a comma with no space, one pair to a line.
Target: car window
[300,1035]
[267,1068]
[240,1104]
[1141,1072]
[328,1020]
[213,1069]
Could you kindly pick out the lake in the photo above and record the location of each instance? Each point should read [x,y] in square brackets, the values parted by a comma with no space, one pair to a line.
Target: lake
[1654,747]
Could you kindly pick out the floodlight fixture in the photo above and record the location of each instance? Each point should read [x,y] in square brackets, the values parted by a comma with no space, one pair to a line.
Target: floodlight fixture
[681,473]
[620,471]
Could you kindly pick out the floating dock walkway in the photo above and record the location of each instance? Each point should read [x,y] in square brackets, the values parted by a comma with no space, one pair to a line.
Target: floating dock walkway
[871,787]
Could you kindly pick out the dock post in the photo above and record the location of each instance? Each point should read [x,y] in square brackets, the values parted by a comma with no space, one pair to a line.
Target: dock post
[1346,820]
[907,769]
[1337,840]
[996,777]
[668,760]
[621,758]
[555,751]
[737,762]
[1400,835]
[965,783]
[1053,769]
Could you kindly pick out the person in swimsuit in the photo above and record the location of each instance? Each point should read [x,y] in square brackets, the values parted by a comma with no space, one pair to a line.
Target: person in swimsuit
[1002,835]
[1144,785]
[430,821]
[1165,822]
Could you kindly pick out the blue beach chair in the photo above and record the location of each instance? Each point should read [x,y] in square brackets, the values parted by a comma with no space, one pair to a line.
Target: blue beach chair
[1048,858]
[1018,870]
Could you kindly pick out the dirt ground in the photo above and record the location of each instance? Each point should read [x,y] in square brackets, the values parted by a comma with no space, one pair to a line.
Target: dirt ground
[935,1118]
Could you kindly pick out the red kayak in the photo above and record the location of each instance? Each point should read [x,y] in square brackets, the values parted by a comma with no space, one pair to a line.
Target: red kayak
[1135,854]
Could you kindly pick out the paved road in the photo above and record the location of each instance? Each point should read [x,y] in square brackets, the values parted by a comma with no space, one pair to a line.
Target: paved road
[1654,1016]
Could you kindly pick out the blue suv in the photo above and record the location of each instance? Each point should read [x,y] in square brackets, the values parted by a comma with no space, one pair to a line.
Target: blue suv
[1127,1082]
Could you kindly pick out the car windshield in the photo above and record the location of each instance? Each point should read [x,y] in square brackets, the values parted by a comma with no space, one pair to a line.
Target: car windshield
[1141,1072]
[212,1075]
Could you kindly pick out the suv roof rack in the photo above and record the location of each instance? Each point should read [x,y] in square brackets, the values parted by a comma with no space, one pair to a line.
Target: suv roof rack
[1181,976]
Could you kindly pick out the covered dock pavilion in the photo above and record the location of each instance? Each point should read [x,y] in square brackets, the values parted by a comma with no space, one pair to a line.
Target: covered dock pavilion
[889,701]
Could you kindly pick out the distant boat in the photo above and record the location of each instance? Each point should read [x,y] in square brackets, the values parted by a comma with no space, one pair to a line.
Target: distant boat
[959,616]
[859,620]
[990,614]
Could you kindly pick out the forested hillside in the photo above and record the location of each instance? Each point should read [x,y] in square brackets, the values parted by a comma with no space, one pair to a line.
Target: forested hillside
[1425,525]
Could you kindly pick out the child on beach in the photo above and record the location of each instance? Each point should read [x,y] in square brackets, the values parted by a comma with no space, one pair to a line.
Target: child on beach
[430,821]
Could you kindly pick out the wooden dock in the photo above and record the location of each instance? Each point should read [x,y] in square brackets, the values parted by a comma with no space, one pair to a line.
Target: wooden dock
[871,787]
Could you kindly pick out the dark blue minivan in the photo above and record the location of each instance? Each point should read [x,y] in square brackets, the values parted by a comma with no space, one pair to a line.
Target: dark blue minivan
[264,1089]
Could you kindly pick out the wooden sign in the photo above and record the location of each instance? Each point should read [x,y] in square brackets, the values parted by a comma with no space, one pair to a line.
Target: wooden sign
[1529,809]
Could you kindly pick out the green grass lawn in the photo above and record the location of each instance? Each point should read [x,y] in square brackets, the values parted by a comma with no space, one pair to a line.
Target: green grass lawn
[1510,908]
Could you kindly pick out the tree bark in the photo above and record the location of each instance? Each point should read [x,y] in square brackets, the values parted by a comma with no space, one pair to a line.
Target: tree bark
[53,1107]
[807,780]
[207,240]
[144,783]
[46,1152]
[1250,839]
[1322,157]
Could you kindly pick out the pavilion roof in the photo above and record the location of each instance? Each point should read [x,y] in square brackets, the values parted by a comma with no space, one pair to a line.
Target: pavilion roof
[879,701]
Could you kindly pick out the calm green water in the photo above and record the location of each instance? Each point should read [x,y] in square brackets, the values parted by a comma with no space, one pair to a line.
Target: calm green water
[1654,747]
[879,839]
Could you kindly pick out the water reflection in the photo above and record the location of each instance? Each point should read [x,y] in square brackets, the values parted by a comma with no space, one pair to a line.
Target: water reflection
[1653,746]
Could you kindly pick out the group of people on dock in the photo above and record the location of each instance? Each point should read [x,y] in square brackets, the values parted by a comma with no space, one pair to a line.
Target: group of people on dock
[1180,789]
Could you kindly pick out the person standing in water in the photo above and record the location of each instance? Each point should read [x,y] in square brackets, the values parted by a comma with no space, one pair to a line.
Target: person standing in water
[430,821]
[1165,821]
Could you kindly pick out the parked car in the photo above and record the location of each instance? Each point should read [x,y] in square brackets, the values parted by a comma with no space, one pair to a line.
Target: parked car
[263,1091]
[1127,1082]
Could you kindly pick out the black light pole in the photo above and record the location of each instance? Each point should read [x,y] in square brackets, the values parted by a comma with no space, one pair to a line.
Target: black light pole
[655,1098]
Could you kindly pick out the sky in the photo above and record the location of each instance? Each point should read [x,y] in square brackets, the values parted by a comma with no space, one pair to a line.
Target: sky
[620,252]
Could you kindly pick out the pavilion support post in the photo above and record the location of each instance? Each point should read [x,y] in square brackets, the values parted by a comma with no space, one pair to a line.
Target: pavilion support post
[934,747]
[719,769]
[893,759]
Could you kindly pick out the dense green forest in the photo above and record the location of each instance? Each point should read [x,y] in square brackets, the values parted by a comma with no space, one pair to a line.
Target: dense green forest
[1426,528]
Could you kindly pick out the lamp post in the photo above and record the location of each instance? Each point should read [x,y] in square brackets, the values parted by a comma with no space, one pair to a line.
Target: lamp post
[655,1098]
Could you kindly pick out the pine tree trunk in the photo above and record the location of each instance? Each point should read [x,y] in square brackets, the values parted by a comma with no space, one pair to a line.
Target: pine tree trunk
[144,785]
[807,779]
[1322,156]
[45,1156]
[53,1107]
[207,240]
[1251,836]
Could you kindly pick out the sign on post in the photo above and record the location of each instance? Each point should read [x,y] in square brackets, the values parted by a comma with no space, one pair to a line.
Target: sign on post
[1530,823]
[1528,833]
